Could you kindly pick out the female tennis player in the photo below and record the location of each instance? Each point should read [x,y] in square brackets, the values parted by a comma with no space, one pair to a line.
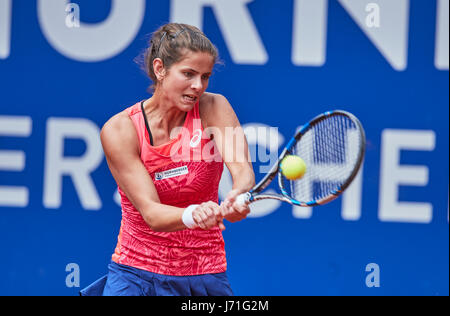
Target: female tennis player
[166,155]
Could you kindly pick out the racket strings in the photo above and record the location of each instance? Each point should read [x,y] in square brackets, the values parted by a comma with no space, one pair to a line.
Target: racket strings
[330,150]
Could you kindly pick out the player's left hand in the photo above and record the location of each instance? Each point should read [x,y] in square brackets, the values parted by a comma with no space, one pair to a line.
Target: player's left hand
[230,210]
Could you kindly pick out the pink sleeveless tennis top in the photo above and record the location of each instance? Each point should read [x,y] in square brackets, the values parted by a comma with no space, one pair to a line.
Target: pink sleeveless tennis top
[185,171]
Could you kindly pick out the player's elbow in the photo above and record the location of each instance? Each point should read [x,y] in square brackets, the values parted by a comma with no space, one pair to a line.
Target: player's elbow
[161,227]
[153,222]
[156,222]
[156,227]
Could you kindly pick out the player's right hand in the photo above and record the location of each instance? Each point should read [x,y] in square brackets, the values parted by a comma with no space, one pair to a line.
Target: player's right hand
[232,211]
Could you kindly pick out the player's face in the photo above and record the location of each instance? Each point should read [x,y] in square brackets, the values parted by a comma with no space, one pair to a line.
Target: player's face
[188,79]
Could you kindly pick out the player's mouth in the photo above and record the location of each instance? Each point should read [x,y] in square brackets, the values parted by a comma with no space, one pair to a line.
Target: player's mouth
[190,98]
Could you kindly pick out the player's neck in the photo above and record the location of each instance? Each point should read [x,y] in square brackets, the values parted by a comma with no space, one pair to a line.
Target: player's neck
[162,114]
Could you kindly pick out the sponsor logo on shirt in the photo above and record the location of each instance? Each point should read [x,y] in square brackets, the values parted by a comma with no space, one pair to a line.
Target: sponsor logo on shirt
[171,173]
[195,140]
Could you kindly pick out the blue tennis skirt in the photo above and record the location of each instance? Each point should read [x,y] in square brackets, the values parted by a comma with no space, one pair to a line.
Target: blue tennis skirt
[123,280]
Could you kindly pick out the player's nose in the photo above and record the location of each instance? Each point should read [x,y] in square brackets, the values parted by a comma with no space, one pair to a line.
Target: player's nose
[197,84]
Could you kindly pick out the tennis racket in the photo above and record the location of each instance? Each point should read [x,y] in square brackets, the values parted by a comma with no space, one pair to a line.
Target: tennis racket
[332,145]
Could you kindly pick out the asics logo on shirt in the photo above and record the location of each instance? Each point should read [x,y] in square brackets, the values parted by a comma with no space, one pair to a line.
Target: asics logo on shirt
[195,140]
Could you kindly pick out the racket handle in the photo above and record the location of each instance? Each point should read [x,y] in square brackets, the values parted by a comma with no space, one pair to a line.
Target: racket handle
[243,199]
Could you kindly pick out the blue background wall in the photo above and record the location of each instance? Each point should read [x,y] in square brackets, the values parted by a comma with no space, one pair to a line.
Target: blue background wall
[280,253]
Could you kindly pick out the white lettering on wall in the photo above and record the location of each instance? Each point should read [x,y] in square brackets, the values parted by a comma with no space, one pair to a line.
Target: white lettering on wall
[309,35]
[91,42]
[393,174]
[442,35]
[391,39]
[100,41]
[14,160]
[5,28]
[78,168]
[235,22]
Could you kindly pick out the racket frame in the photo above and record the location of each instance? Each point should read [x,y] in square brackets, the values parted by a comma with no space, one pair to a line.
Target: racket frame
[253,195]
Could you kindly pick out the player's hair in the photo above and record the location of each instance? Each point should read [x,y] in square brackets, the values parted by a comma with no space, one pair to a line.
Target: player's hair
[170,43]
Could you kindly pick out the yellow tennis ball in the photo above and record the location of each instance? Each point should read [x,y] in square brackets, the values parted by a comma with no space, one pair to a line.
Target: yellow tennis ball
[293,167]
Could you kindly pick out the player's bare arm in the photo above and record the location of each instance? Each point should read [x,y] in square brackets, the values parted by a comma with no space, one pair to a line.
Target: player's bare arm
[219,117]
[120,144]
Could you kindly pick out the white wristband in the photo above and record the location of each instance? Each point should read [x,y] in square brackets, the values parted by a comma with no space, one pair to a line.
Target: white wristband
[187,218]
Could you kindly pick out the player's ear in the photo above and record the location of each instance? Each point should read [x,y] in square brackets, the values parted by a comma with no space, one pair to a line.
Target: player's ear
[158,69]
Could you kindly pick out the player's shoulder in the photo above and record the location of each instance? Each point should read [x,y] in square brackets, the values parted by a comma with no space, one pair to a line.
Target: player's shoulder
[210,100]
[119,120]
[212,105]
[118,127]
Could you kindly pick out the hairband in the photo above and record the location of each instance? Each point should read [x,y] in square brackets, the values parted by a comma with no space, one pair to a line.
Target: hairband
[173,37]
[160,42]
[178,33]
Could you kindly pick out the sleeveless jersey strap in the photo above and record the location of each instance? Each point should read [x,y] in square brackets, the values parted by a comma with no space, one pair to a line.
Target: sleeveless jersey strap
[197,122]
[146,124]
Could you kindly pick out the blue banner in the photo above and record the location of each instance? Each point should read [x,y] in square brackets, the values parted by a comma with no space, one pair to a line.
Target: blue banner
[66,67]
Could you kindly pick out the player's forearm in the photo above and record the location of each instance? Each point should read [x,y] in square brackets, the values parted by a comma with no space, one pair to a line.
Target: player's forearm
[243,178]
[163,218]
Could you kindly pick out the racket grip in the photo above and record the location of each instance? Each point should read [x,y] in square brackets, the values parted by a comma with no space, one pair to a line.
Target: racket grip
[243,199]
